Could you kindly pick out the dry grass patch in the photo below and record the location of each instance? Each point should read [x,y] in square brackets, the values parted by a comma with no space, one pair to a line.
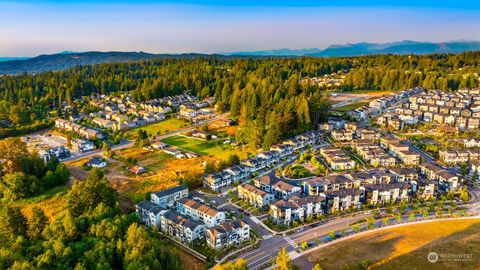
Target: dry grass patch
[406,247]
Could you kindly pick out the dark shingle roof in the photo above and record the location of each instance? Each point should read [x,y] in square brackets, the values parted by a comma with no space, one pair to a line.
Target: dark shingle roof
[170,191]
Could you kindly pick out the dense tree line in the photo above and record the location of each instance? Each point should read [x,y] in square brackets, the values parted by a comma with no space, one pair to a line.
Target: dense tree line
[23,174]
[91,233]
[267,95]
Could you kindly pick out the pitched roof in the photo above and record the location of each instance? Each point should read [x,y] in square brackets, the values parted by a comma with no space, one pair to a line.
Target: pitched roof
[149,207]
[170,191]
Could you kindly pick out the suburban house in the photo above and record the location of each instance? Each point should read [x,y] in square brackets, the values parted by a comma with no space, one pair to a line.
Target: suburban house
[149,212]
[167,198]
[254,195]
[96,162]
[200,212]
[137,170]
[181,227]
[82,146]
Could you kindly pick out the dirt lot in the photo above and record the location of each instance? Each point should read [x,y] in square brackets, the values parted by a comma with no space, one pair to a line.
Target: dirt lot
[406,247]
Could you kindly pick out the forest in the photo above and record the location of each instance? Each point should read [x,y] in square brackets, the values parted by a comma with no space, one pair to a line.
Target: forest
[92,233]
[267,95]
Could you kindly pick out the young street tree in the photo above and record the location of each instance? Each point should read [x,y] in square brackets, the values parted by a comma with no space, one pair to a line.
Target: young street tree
[283,261]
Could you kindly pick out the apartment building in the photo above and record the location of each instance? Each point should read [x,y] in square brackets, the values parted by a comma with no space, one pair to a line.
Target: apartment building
[167,198]
[200,212]
[226,234]
[255,196]
[181,227]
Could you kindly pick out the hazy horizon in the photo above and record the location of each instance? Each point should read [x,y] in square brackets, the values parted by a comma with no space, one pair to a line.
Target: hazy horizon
[31,28]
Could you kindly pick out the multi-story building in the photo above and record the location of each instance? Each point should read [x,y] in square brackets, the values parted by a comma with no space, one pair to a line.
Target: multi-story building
[167,198]
[343,199]
[284,190]
[296,209]
[183,228]
[254,195]
[387,193]
[149,212]
[200,212]
[226,234]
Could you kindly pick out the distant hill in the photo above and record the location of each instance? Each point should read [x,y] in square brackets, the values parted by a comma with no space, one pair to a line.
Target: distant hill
[69,59]
[66,60]
[400,47]
[3,59]
[278,52]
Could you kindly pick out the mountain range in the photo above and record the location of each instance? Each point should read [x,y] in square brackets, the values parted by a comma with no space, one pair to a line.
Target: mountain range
[364,48]
[69,59]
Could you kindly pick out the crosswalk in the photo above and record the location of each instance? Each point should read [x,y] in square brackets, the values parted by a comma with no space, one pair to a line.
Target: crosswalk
[267,236]
[290,241]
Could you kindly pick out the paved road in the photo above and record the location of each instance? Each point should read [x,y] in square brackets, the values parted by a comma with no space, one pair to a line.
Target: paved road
[331,226]
[269,248]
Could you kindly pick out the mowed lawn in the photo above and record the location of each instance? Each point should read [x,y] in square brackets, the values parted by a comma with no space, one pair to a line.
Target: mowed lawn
[158,128]
[350,107]
[201,147]
[406,247]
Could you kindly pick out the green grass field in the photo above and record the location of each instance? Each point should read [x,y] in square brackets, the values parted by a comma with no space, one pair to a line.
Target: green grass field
[211,149]
[350,107]
[406,247]
[158,128]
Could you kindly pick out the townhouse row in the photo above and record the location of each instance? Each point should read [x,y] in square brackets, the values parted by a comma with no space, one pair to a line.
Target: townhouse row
[252,166]
[454,156]
[379,105]
[459,109]
[373,153]
[288,202]
[337,158]
[188,220]
[85,132]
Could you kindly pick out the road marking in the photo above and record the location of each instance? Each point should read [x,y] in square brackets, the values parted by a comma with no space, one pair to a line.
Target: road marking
[254,219]
[256,255]
[268,256]
[268,236]
[290,241]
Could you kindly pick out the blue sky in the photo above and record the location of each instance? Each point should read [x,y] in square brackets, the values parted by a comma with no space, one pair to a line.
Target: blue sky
[29,28]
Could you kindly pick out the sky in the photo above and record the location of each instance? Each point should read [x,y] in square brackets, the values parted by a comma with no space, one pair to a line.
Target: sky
[30,28]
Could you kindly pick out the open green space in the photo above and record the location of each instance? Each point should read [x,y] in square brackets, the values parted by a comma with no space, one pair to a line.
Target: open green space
[350,107]
[298,171]
[209,148]
[158,128]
